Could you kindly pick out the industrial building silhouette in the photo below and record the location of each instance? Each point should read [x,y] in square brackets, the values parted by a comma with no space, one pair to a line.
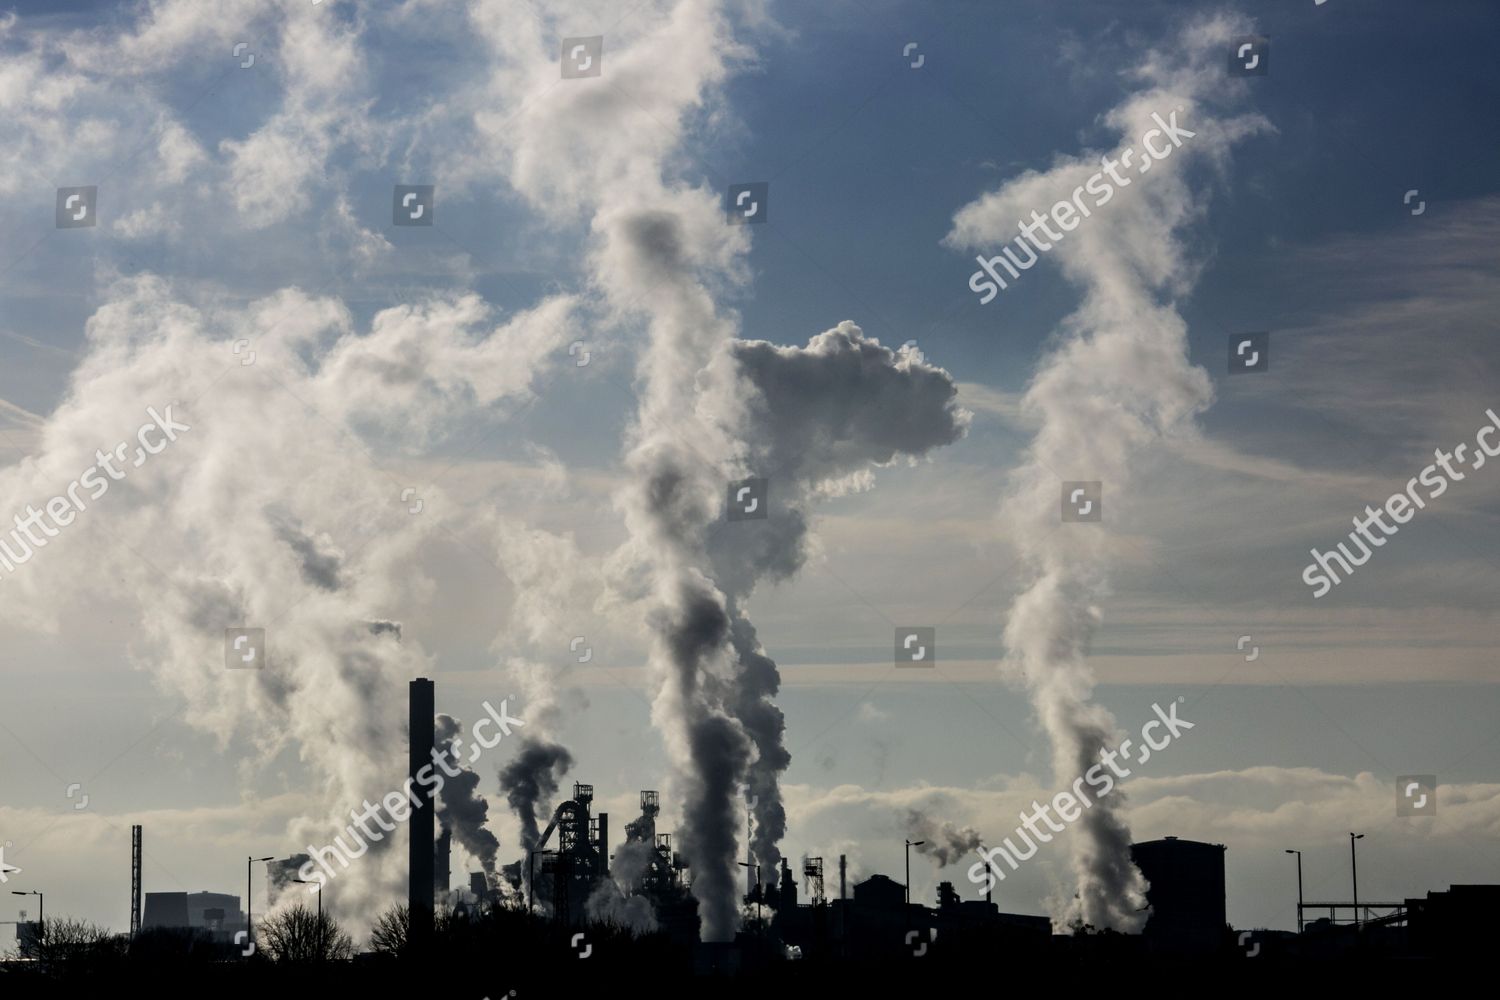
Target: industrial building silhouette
[565,888]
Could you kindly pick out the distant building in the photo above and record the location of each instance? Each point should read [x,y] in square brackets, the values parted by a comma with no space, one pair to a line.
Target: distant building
[215,912]
[1185,900]
[1459,921]
[880,891]
[28,936]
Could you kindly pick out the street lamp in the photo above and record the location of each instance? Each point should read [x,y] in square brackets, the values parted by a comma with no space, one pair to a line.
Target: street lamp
[1299,888]
[1354,871]
[759,892]
[909,845]
[250,924]
[303,881]
[41,912]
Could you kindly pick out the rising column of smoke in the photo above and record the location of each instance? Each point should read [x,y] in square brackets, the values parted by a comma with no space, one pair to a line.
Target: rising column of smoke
[265,515]
[602,148]
[818,419]
[1119,381]
[530,781]
[551,587]
[460,808]
[710,411]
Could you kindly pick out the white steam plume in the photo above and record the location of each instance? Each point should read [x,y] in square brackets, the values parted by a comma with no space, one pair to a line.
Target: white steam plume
[269,512]
[1119,381]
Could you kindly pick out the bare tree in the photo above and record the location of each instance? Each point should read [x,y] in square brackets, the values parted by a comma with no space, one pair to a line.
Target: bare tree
[388,936]
[69,940]
[300,935]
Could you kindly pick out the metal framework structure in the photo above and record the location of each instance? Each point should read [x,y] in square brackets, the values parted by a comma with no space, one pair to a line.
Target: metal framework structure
[135,880]
[581,852]
[1394,913]
[812,870]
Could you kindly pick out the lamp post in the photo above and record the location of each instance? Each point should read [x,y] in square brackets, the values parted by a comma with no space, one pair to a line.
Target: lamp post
[303,881]
[909,845]
[1354,872]
[759,893]
[249,923]
[1299,888]
[41,912]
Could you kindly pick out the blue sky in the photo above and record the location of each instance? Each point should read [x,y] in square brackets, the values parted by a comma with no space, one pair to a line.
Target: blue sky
[1382,349]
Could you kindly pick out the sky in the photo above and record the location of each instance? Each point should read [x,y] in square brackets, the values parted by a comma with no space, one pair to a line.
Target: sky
[449,426]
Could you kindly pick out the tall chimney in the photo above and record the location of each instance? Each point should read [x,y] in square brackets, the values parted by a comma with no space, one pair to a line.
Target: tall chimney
[420,855]
[135,880]
[604,845]
[442,876]
[843,868]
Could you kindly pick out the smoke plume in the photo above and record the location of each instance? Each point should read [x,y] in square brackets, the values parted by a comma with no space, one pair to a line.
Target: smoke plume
[460,809]
[530,780]
[1118,381]
[263,515]
[942,842]
[711,409]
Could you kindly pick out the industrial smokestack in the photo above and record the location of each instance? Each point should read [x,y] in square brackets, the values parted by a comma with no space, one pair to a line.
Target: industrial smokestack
[135,880]
[442,863]
[420,856]
[603,845]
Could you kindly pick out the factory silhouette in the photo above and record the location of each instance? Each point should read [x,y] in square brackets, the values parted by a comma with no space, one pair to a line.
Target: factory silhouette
[563,911]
